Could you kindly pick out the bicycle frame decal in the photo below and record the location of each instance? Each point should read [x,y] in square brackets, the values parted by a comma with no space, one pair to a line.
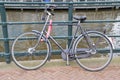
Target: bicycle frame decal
[49,29]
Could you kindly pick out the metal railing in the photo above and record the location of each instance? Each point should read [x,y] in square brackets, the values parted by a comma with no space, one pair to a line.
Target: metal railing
[54,0]
[69,22]
[85,3]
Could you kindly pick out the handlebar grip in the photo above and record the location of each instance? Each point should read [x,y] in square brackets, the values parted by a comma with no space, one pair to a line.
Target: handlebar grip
[49,29]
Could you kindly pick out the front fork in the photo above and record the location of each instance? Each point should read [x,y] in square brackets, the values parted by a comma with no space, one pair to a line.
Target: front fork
[39,34]
[31,50]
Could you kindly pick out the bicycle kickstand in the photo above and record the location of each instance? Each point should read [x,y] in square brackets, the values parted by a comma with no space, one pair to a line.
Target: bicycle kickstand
[68,63]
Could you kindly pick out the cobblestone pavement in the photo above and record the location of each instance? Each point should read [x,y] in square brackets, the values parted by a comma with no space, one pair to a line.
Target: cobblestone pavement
[59,73]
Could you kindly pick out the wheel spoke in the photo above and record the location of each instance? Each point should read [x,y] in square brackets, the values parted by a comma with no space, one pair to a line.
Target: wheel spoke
[98,59]
[25,55]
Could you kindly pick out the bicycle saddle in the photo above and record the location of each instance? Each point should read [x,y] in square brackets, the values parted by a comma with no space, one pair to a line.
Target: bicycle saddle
[81,18]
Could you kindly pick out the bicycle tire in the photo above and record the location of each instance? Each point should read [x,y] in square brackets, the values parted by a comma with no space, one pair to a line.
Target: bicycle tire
[22,56]
[93,62]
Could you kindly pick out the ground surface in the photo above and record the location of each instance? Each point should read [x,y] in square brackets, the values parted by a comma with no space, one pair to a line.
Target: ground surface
[58,72]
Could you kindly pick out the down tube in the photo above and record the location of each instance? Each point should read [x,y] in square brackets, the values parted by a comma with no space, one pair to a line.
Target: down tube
[57,44]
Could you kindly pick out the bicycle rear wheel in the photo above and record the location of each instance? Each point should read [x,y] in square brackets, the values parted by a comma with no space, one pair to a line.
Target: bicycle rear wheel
[93,61]
[25,56]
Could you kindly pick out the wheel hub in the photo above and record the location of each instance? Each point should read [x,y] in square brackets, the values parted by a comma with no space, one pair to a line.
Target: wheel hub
[31,50]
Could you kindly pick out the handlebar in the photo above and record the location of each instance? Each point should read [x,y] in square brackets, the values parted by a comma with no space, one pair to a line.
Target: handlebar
[47,12]
[51,7]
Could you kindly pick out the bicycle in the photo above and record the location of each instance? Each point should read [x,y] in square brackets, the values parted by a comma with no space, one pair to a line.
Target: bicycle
[92,50]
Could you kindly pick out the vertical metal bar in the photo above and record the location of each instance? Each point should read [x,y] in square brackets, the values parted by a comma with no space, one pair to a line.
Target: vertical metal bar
[5,32]
[70,16]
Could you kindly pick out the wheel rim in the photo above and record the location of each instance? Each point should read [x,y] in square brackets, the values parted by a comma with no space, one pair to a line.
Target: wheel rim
[21,55]
[96,61]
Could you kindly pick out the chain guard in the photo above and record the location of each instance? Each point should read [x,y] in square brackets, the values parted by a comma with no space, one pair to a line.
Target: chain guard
[81,53]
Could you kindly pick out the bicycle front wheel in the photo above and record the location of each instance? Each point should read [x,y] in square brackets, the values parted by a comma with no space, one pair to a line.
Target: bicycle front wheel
[93,60]
[25,55]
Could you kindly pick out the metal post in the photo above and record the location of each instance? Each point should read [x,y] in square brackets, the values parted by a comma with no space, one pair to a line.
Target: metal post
[5,32]
[70,16]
